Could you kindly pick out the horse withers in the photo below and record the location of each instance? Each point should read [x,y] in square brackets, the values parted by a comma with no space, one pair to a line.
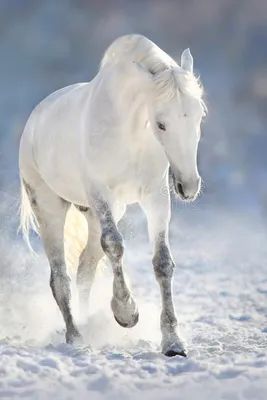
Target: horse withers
[104,144]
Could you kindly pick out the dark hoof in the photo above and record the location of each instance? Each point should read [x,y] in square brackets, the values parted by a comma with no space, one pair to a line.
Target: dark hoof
[172,353]
[129,325]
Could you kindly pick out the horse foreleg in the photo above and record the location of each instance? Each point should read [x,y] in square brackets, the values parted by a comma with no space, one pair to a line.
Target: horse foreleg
[164,266]
[123,304]
[157,209]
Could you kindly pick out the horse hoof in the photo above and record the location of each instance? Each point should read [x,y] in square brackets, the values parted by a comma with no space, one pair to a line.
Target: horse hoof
[128,324]
[175,346]
[173,353]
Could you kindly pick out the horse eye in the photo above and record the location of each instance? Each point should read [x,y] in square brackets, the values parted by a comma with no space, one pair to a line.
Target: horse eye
[161,126]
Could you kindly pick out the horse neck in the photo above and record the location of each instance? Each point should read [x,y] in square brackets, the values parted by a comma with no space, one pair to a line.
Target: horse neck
[129,99]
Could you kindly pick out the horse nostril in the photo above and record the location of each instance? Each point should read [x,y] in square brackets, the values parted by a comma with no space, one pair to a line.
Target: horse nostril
[181,189]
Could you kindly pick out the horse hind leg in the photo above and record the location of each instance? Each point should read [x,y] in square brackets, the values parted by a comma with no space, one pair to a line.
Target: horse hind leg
[50,211]
[88,260]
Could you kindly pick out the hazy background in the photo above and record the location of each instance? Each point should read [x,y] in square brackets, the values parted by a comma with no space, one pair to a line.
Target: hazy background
[45,45]
[218,243]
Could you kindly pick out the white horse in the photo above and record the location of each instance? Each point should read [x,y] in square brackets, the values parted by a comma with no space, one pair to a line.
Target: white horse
[102,145]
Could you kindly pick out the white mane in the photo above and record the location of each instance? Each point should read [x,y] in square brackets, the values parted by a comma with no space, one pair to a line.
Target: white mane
[168,76]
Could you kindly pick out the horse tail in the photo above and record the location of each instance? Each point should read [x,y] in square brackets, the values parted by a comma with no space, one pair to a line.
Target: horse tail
[75,236]
[28,219]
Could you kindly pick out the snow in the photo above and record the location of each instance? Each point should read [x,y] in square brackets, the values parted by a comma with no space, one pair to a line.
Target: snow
[220,290]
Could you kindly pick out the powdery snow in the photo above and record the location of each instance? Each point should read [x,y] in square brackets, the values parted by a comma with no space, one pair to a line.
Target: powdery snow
[220,294]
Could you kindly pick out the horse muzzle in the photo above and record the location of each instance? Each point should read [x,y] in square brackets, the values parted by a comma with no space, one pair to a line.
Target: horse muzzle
[187,190]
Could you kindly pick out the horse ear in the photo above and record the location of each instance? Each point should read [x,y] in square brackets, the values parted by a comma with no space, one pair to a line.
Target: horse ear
[187,61]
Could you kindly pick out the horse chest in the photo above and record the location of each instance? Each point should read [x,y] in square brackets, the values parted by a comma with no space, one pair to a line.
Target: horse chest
[137,172]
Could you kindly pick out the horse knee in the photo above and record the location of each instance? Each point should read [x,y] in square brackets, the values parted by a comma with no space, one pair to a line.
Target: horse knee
[163,263]
[112,244]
